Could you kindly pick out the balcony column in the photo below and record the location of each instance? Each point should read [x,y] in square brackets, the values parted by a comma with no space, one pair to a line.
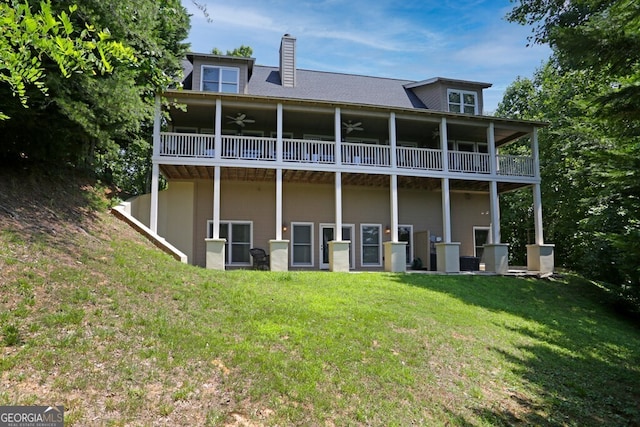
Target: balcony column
[279,144]
[279,248]
[337,125]
[216,245]
[155,169]
[217,126]
[540,256]
[447,252]
[338,248]
[395,254]
[496,254]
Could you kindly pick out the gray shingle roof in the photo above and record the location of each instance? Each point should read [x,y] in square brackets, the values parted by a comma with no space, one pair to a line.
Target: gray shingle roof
[325,86]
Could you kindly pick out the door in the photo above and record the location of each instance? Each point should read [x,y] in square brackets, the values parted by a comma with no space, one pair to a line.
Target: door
[327,234]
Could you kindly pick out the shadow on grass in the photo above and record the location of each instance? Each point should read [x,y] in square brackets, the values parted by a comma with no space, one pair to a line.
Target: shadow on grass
[581,359]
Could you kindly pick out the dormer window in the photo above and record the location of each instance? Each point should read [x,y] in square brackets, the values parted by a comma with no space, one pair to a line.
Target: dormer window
[220,79]
[462,101]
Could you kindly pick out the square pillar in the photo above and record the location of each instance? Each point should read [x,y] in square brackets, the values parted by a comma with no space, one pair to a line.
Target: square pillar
[448,257]
[339,256]
[540,258]
[215,253]
[496,257]
[395,257]
[279,255]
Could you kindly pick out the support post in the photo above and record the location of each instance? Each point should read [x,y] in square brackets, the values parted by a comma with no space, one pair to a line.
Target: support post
[540,256]
[155,179]
[337,124]
[215,259]
[155,168]
[217,129]
[279,204]
[216,202]
[279,144]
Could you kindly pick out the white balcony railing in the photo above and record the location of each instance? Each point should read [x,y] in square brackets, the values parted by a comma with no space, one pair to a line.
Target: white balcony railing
[186,145]
[419,158]
[234,147]
[366,155]
[515,165]
[248,148]
[305,151]
[462,161]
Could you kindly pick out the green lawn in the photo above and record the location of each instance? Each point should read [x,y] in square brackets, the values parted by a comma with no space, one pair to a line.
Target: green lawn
[97,320]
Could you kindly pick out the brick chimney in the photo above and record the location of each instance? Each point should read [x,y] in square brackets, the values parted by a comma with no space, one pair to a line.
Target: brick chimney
[288,61]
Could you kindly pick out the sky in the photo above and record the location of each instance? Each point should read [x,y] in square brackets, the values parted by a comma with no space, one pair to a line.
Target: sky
[410,39]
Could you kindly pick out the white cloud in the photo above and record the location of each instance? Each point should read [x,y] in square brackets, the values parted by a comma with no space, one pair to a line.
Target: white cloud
[409,40]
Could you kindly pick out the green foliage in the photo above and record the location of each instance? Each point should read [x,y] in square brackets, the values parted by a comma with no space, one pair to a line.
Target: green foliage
[91,119]
[29,36]
[590,154]
[11,335]
[242,51]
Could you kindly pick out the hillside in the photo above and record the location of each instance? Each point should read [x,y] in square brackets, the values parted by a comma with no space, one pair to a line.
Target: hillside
[93,317]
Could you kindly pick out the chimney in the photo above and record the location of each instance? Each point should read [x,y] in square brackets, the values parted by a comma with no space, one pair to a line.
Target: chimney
[288,61]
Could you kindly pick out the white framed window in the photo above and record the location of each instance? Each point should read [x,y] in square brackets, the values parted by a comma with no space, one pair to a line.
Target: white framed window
[239,236]
[370,245]
[405,234]
[220,79]
[302,244]
[480,238]
[462,101]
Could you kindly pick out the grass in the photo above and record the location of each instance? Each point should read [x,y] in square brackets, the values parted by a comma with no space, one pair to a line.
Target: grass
[120,334]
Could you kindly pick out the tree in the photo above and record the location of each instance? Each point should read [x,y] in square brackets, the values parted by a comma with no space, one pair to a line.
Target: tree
[242,51]
[29,36]
[590,155]
[91,121]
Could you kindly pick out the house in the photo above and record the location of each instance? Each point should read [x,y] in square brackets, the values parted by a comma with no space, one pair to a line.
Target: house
[334,171]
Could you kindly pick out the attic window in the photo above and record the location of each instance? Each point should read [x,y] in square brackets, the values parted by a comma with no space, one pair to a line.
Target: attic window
[462,101]
[220,79]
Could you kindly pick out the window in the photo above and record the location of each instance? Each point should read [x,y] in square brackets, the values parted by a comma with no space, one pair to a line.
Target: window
[370,243]
[302,236]
[220,79]
[405,234]
[480,238]
[238,235]
[462,101]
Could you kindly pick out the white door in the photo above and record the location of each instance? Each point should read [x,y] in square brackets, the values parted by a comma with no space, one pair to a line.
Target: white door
[327,234]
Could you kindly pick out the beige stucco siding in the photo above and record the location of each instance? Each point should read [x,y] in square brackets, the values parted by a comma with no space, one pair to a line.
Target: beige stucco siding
[175,214]
[468,210]
[239,201]
[185,207]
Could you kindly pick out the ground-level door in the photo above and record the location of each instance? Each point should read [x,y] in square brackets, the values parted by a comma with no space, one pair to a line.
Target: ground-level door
[327,234]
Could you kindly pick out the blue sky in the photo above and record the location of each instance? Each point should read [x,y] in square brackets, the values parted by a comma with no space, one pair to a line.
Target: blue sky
[411,39]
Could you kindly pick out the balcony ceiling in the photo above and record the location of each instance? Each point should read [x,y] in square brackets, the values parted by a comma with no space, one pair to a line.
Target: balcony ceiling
[188,172]
[300,121]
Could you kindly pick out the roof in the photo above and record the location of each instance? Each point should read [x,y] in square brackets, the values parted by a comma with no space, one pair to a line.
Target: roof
[334,87]
[447,81]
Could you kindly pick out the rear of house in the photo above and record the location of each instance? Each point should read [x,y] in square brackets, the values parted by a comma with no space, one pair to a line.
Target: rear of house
[334,171]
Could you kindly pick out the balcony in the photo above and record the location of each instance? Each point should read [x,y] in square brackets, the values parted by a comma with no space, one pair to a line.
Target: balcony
[321,155]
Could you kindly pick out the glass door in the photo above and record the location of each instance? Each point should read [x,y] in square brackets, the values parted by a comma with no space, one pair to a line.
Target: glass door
[327,234]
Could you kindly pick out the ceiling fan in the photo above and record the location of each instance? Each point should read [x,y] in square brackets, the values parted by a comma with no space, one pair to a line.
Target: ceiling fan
[240,119]
[350,127]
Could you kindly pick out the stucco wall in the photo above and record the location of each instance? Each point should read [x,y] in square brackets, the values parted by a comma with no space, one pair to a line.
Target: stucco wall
[175,214]
[185,207]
